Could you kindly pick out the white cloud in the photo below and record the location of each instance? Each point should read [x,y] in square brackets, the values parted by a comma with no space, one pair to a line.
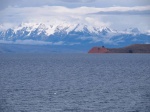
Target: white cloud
[72,3]
[31,42]
[60,15]
[59,10]
[51,14]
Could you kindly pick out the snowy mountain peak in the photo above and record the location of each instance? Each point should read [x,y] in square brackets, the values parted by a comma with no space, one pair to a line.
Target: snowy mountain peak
[71,33]
[132,31]
[50,29]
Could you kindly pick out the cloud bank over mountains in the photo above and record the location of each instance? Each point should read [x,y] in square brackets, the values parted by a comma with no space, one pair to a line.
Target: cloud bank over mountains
[108,16]
[73,3]
[117,14]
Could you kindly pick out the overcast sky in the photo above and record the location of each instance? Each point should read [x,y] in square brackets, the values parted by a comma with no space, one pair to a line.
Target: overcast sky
[116,14]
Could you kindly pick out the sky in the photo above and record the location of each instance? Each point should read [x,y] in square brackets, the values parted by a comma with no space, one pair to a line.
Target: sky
[115,14]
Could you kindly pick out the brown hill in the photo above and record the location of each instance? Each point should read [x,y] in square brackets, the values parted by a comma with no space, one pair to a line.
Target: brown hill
[136,48]
[98,50]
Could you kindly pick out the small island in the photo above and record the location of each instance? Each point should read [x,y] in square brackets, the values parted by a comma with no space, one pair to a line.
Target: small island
[135,48]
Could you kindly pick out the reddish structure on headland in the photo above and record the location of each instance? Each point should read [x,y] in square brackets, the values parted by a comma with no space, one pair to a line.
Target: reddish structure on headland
[99,50]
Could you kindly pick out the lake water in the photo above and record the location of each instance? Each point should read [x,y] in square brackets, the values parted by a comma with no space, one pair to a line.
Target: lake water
[74,83]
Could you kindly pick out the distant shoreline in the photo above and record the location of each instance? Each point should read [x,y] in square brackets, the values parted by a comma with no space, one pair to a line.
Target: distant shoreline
[135,48]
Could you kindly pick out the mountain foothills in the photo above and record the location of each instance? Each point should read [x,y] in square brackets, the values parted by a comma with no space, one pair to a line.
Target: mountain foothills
[71,34]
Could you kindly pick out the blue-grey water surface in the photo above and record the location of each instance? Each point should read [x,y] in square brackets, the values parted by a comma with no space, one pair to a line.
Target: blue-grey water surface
[74,83]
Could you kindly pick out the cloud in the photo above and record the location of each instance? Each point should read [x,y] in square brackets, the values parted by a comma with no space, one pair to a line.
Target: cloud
[5,3]
[59,11]
[137,10]
[50,14]
[132,12]
[80,1]
[38,3]
[34,42]
[31,42]
[58,15]
[72,3]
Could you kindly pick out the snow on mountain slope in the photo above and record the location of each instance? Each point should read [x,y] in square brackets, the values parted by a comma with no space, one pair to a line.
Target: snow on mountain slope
[50,29]
[132,31]
[72,33]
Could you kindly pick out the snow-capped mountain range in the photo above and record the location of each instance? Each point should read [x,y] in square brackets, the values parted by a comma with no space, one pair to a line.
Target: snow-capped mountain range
[71,34]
